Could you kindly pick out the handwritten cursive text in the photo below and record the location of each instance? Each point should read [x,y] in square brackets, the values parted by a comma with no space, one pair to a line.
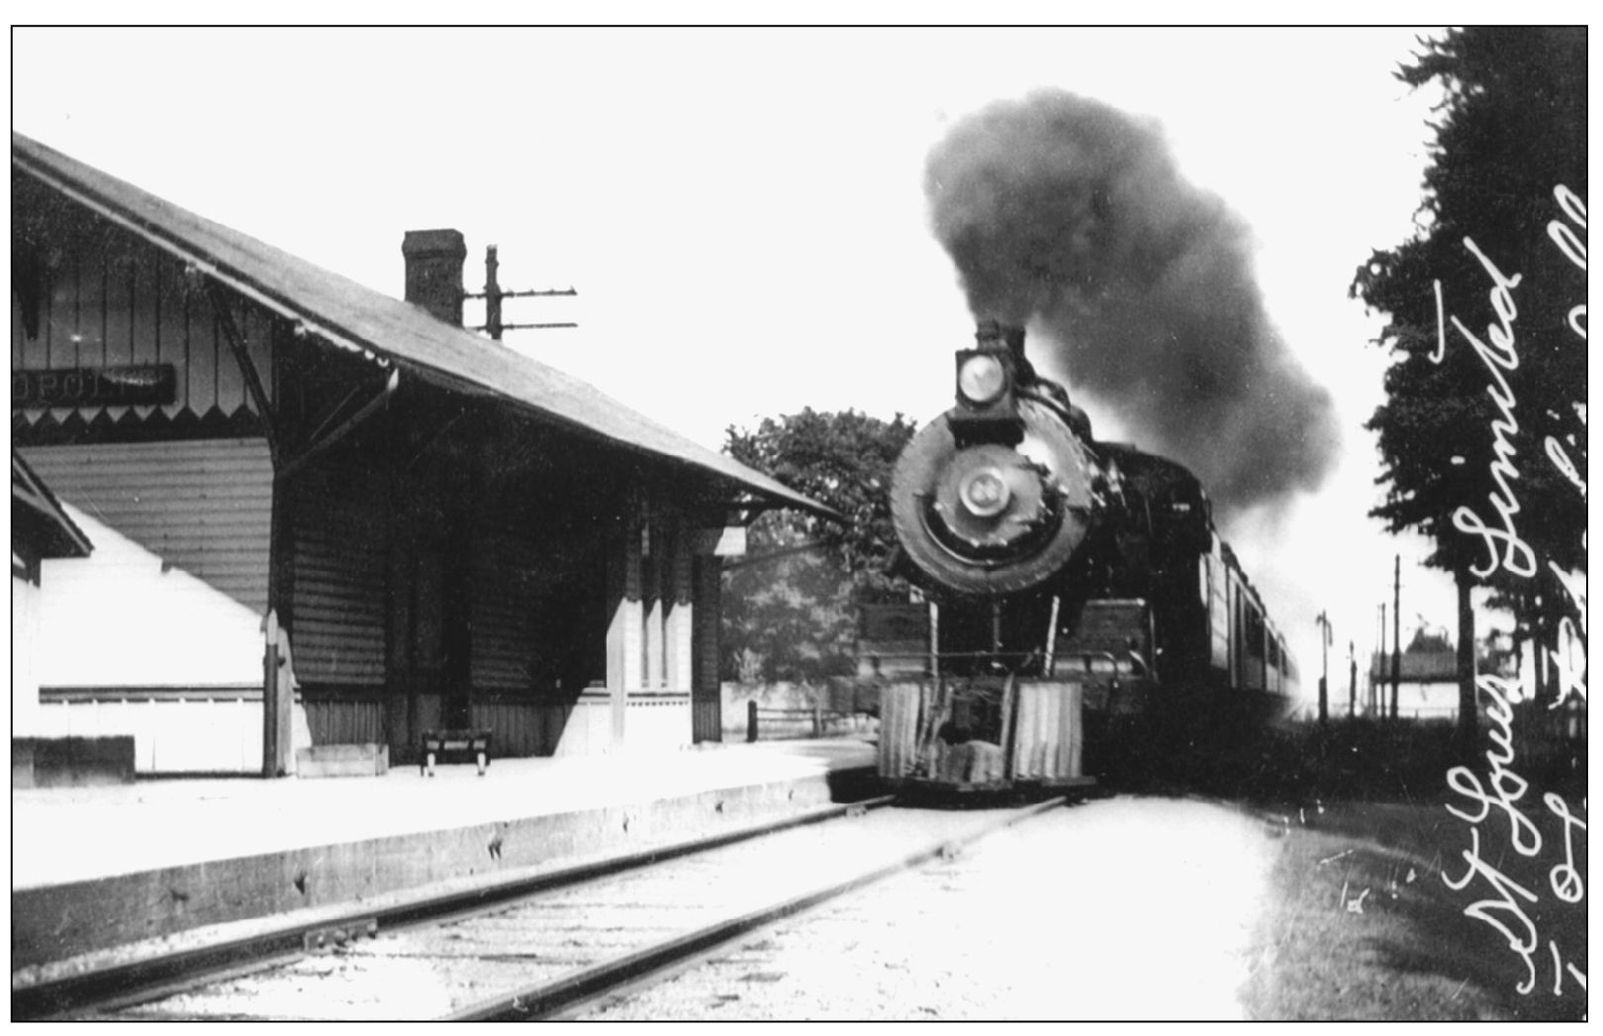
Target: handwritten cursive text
[1508,787]
[1505,548]
[1503,912]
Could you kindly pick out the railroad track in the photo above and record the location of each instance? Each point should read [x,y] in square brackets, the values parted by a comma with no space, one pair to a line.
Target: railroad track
[548,947]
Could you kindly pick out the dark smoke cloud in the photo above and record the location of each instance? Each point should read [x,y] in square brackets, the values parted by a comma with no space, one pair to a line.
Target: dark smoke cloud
[1071,216]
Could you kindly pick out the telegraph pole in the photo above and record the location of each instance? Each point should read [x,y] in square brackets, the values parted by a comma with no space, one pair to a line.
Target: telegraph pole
[1377,677]
[1396,630]
[493,294]
[1352,681]
[1324,666]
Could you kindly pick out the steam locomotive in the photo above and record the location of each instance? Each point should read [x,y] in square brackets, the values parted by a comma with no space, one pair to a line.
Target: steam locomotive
[1073,589]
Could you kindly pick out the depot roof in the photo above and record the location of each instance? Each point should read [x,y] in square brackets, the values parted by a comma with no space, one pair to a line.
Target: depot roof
[37,517]
[356,317]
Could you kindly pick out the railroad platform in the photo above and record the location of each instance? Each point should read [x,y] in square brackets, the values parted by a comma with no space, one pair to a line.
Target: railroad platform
[102,873]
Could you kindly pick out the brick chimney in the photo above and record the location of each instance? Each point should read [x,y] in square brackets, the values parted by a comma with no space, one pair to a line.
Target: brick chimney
[434,271]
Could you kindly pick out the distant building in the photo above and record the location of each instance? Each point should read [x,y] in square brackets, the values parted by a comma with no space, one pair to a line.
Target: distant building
[1428,675]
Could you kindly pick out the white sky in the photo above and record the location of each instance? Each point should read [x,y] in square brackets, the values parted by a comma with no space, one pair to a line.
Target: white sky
[742,212]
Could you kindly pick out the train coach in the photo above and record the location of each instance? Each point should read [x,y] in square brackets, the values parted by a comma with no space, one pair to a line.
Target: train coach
[1071,587]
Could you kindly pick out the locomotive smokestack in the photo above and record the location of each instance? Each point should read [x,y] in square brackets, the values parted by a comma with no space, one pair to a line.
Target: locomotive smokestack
[991,333]
[1070,213]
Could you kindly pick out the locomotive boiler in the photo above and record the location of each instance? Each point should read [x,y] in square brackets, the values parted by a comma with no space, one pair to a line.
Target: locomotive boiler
[1067,584]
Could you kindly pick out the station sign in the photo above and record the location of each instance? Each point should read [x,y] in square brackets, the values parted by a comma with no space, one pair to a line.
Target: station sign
[151,384]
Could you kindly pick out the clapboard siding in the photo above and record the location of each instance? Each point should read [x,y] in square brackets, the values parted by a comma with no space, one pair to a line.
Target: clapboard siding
[532,580]
[340,580]
[506,582]
[203,506]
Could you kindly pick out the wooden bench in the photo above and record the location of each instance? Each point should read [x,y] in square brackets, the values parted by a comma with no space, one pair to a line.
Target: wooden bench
[445,746]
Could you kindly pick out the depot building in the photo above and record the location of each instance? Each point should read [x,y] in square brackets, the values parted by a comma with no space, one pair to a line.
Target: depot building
[320,515]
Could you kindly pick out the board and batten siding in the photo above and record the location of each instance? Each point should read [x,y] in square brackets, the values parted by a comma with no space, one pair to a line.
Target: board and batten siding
[130,304]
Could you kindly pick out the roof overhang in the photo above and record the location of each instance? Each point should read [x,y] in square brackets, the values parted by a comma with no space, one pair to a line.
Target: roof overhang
[37,513]
[392,332]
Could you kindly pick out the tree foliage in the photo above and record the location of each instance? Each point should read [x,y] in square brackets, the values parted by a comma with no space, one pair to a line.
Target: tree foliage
[1486,391]
[789,604]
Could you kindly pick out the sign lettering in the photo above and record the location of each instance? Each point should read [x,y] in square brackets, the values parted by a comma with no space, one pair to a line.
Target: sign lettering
[152,384]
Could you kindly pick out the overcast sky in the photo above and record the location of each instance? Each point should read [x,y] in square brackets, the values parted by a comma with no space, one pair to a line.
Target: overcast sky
[742,212]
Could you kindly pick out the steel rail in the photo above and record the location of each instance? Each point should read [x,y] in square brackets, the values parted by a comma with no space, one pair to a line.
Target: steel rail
[542,1001]
[123,985]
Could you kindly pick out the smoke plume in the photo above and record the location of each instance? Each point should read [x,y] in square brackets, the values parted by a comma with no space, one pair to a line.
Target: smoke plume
[1071,216]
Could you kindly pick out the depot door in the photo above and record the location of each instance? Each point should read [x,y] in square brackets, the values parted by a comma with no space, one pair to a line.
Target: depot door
[433,640]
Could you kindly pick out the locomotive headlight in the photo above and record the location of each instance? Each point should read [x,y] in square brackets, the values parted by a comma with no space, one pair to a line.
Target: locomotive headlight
[981,379]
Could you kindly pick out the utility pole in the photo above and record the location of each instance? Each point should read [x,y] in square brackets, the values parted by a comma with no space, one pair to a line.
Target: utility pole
[1377,677]
[1324,666]
[1396,630]
[492,296]
[1352,681]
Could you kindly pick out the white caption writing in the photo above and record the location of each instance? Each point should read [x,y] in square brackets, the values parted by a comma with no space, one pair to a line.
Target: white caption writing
[1506,904]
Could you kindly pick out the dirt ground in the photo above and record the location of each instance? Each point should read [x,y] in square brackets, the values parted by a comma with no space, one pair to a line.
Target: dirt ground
[1152,908]
[1365,921]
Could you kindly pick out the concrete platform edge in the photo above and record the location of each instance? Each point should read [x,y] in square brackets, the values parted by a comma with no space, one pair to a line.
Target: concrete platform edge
[88,924]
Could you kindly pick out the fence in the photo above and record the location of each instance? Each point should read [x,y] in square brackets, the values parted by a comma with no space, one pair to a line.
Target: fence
[775,724]
[785,708]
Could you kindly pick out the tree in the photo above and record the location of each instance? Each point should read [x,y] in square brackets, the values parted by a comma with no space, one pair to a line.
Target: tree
[789,605]
[1487,388]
